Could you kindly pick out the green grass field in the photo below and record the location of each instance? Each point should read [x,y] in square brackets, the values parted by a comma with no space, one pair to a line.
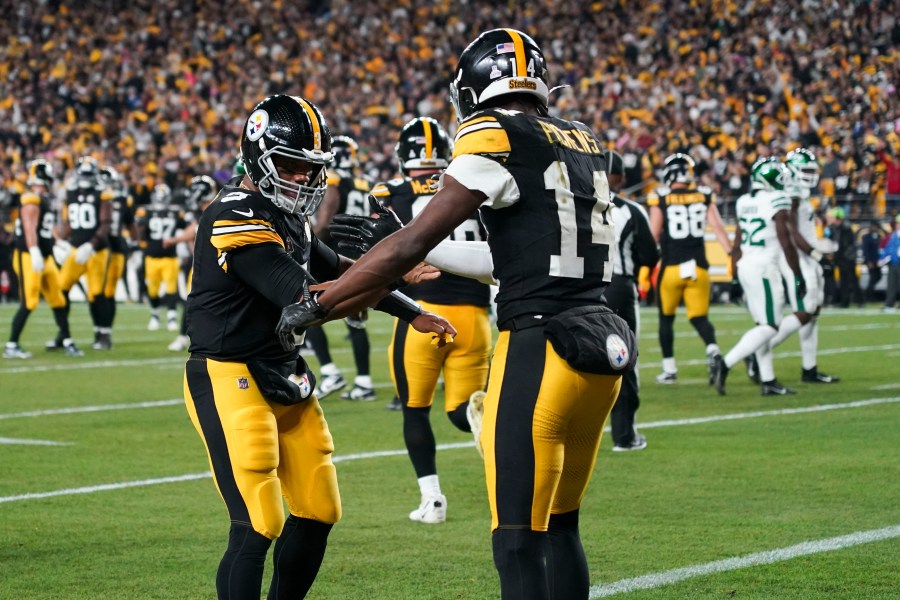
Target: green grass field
[104,491]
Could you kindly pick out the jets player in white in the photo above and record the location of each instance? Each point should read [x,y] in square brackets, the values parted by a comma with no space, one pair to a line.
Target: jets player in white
[804,176]
[763,235]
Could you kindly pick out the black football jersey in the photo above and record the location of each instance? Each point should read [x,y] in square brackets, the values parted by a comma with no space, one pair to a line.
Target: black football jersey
[548,214]
[684,224]
[45,223]
[122,218]
[82,211]
[407,197]
[158,223]
[353,192]
[227,319]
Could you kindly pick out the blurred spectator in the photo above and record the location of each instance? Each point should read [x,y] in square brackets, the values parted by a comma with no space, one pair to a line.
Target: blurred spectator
[871,249]
[890,254]
[841,233]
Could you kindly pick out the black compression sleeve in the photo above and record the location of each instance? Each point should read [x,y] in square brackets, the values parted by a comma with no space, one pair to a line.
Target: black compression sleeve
[269,270]
[400,306]
[324,263]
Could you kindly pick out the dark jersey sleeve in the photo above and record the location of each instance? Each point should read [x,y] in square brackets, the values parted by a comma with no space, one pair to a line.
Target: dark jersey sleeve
[270,271]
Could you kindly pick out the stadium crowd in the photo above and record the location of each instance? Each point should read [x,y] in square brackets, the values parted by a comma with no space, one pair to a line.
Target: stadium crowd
[159,90]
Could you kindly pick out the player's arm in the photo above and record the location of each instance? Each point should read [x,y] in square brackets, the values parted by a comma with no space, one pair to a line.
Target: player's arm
[401,251]
[783,231]
[656,222]
[715,222]
[799,241]
[30,213]
[736,252]
[646,252]
[105,220]
[64,228]
[186,235]
[466,259]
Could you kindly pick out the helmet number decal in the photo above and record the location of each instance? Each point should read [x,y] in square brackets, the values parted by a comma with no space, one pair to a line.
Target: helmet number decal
[529,68]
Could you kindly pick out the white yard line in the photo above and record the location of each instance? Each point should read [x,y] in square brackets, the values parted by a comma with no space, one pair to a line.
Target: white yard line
[766,557]
[27,442]
[402,452]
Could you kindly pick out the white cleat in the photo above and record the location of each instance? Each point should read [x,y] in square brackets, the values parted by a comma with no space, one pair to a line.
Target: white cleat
[179,344]
[432,510]
[153,325]
[475,414]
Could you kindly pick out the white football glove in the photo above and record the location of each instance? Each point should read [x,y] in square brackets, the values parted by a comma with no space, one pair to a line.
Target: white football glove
[84,252]
[37,259]
[61,251]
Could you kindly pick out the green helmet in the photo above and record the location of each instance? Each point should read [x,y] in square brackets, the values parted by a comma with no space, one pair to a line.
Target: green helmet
[768,173]
[803,167]
[238,167]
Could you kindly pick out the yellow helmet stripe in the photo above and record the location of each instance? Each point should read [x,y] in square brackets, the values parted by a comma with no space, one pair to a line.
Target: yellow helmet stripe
[314,121]
[428,148]
[520,52]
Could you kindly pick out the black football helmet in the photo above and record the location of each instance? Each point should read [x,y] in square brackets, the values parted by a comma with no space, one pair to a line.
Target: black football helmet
[87,172]
[40,172]
[499,62]
[678,168]
[161,195]
[202,189]
[346,152]
[423,145]
[293,128]
[110,178]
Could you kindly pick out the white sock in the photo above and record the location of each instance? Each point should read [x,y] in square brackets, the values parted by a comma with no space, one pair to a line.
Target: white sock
[172,314]
[788,325]
[809,343]
[363,381]
[429,486]
[764,358]
[11,345]
[748,344]
[154,313]
[329,369]
[712,349]
[669,365]
[67,342]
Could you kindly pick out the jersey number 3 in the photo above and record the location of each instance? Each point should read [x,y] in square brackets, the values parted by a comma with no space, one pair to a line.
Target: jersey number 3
[567,263]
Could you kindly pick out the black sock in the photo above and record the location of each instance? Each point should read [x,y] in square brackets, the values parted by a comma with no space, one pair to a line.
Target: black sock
[241,568]
[111,306]
[520,556]
[61,316]
[18,323]
[298,555]
[419,438]
[359,340]
[459,419]
[154,303]
[567,565]
[316,338]
[97,308]
[705,329]
[667,335]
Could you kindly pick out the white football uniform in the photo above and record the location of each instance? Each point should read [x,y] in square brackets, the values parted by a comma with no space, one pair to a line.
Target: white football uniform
[811,269]
[760,250]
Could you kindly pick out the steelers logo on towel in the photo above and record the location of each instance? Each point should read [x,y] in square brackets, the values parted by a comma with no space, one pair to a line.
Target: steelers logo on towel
[616,351]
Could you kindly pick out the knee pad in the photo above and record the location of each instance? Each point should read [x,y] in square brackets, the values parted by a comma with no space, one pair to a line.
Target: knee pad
[325,495]
[255,457]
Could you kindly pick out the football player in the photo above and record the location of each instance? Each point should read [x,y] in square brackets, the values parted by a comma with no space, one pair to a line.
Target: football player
[543,196]
[764,233]
[248,392]
[155,223]
[33,262]
[679,214]
[803,170]
[347,194]
[122,222]
[201,191]
[86,220]
[423,151]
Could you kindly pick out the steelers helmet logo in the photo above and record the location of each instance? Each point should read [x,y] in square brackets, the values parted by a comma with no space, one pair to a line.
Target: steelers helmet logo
[616,351]
[256,124]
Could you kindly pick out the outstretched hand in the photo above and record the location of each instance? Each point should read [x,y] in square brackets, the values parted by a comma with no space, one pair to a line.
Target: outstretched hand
[355,235]
[421,272]
[296,319]
[439,326]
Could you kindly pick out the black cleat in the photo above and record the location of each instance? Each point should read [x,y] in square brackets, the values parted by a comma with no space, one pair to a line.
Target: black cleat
[814,376]
[53,345]
[720,374]
[752,369]
[711,364]
[774,388]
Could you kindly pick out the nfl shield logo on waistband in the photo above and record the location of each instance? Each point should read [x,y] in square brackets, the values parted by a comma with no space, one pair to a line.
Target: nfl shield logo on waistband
[243,383]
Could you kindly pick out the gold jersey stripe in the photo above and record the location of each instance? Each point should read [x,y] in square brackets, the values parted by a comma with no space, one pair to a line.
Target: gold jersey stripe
[485,141]
[29,198]
[427,128]
[314,121]
[233,222]
[520,52]
[229,241]
[380,191]
[462,128]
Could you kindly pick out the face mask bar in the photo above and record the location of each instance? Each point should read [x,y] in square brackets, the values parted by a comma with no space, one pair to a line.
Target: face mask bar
[288,196]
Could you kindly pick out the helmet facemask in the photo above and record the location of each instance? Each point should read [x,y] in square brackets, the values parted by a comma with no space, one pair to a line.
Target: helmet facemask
[289,196]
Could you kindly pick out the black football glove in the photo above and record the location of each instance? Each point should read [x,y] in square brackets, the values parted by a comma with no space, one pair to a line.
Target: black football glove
[297,318]
[801,288]
[355,235]
[736,292]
